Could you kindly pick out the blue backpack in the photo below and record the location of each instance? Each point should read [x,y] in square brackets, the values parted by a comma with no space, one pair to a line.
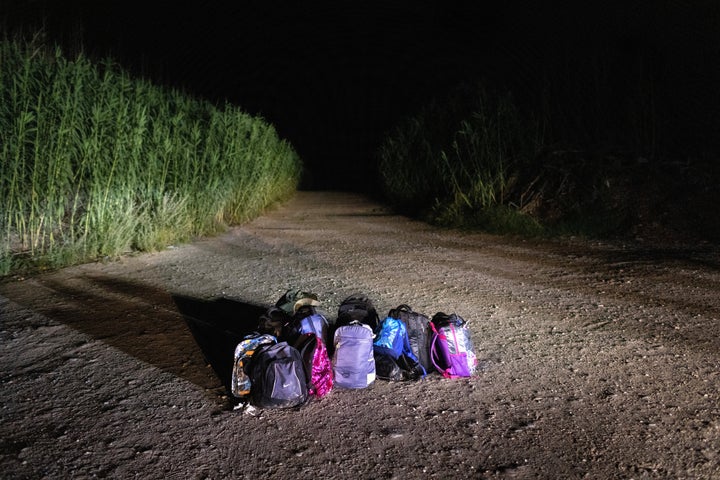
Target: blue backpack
[393,339]
[392,349]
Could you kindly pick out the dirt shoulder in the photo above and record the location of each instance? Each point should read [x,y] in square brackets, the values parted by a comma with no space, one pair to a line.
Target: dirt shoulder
[597,360]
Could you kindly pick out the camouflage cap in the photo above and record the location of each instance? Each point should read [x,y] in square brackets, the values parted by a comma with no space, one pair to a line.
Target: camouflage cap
[293,299]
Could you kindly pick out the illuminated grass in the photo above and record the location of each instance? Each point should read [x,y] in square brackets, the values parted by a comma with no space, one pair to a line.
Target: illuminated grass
[95,163]
[455,163]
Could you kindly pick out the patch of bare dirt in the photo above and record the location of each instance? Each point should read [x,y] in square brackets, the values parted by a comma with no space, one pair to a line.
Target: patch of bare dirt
[597,360]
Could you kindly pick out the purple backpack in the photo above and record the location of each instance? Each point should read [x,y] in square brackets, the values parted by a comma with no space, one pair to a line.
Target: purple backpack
[307,320]
[451,348]
[353,360]
[318,369]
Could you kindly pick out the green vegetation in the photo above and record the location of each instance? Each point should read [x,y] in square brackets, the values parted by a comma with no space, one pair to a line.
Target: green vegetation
[94,163]
[475,159]
[457,162]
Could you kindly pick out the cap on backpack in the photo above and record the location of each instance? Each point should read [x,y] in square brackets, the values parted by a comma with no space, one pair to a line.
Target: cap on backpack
[292,300]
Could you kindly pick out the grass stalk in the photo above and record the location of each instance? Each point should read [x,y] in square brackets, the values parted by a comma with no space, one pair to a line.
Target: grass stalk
[96,163]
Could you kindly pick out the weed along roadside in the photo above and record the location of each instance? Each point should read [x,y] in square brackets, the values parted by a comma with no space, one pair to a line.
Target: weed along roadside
[99,164]
[103,375]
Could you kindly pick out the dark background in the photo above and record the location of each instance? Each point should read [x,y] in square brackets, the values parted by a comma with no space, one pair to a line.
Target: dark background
[333,77]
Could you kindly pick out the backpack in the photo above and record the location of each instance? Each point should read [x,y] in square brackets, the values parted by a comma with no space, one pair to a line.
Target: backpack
[278,377]
[392,339]
[392,346]
[400,369]
[318,369]
[352,360]
[358,308]
[418,331]
[386,368]
[274,322]
[241,384]
[306,320]
[451,348]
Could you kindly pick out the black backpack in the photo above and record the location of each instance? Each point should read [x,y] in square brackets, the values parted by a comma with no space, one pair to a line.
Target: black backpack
[278,377]
[358,308]
[397,370]
[419,333]
[274,322]
[386,368]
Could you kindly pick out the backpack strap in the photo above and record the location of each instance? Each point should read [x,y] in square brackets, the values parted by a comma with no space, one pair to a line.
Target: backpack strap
[433,351]
[400,309]
[303,343]
[433,354]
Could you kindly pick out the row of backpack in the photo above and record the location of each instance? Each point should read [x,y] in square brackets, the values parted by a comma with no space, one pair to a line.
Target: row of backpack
[296,354]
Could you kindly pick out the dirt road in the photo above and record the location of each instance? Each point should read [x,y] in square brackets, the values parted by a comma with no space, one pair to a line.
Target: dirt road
[597,360]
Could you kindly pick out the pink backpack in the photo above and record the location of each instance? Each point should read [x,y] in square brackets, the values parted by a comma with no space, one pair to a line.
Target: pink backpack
[318,368]
[451,348]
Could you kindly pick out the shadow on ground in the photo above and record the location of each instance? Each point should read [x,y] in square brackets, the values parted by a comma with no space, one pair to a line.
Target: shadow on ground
[178,334]
[218,326]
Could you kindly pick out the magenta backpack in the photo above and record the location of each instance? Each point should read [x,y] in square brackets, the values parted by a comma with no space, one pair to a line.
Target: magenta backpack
[318,368]
[451,348]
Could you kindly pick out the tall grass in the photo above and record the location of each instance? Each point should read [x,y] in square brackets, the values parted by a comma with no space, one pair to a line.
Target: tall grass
[456,161]
[95,163]
[567,161]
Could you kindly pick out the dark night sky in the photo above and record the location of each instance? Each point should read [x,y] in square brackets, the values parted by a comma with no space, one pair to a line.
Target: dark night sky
[333,76]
